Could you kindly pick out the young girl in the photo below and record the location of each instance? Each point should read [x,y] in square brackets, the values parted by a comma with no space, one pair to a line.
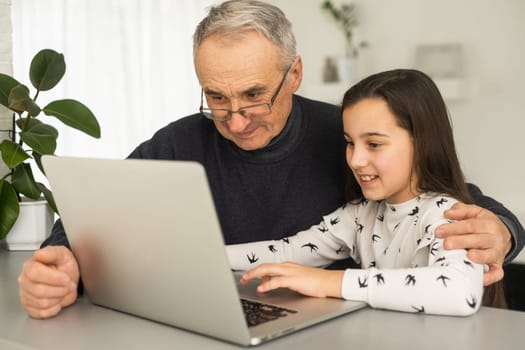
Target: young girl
[405,175]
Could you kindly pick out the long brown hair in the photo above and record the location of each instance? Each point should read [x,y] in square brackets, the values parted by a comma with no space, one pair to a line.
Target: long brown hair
[419,108]
[416,103]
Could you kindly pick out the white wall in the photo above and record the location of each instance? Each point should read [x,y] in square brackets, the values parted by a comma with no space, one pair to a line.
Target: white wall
[490,120]
[6,67]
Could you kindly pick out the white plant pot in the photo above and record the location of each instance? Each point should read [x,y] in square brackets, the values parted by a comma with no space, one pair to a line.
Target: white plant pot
[32,227]
[347,68]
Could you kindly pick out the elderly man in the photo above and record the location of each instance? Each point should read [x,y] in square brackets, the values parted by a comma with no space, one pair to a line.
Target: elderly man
[275,160]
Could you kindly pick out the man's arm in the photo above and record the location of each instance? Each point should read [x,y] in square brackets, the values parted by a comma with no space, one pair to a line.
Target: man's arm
[57,236]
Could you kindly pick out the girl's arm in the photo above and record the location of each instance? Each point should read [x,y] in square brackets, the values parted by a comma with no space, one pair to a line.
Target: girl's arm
[451,284]
[317,246]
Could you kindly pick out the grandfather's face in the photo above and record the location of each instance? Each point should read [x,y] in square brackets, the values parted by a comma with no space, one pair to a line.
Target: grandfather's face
[235,73]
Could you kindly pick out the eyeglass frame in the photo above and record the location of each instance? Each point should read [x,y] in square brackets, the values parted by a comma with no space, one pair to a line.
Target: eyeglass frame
[242,110]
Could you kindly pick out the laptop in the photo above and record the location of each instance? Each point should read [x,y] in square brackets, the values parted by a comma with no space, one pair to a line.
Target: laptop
[148,242]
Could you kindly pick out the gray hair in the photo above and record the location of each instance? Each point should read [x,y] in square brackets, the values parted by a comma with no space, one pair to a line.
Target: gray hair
[235,17]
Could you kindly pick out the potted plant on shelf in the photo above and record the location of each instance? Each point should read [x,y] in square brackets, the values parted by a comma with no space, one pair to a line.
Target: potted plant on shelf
[345,17]
[31,138]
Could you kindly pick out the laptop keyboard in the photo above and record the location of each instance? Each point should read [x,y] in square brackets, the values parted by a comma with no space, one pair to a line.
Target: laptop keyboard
[257,313]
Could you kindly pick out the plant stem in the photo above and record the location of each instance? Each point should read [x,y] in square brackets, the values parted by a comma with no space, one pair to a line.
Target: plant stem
[6,176]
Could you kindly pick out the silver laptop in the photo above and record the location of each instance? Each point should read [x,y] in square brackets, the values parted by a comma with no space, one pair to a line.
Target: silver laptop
[148,242]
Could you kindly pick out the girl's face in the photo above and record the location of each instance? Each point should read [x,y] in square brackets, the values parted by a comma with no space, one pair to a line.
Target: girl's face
[379,152]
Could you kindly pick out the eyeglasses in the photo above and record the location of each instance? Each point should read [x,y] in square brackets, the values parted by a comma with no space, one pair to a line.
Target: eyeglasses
[248,112]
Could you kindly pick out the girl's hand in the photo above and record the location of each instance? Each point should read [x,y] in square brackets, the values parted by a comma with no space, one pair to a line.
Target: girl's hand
[306,280]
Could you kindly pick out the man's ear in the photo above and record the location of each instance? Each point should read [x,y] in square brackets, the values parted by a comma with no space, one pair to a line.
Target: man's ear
[296,74]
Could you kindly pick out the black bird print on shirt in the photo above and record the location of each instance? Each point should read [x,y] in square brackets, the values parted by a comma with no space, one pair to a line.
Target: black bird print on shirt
[381,218]
[322,228]
[410,280]
[434,248]
[375,238]
[440,202]
[420,309]
[414,211]
[468,263]
[473,302]
[252,258]
[426,228]
[359,226]
[443,279]
[363,283]
[272,248]
[340,250]
[379,279]
[286,240]
[335,221]
[312,247]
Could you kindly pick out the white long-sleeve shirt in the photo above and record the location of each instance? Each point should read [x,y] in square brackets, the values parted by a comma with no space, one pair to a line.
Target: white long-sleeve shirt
[404,266]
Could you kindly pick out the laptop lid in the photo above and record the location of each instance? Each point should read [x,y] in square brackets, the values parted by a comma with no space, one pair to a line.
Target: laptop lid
[148,242]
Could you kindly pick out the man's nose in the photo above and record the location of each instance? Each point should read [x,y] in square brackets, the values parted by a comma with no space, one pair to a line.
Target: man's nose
[237,122]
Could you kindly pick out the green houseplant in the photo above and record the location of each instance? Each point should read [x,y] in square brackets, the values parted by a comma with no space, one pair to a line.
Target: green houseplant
[32,137]
[345,18]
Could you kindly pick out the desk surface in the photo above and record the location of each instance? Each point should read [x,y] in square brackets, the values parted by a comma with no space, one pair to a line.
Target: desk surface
[85,326]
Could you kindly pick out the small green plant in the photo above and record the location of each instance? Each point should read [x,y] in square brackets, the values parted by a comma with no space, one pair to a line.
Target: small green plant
[345,18]
[31,137]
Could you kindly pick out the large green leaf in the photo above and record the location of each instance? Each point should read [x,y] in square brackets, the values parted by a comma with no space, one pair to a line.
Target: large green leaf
[20,101]
[47,68]
[28,123]
[49,196]
[6,85]
[24,182]
[37,157]
[9,208]
[75,115]
[12,153]
[42,138]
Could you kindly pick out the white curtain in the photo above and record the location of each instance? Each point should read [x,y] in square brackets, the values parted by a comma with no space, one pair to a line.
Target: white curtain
[129,61]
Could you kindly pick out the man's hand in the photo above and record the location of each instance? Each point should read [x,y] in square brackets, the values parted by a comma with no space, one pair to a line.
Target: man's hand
[48,281]
[306,280]
[481,232]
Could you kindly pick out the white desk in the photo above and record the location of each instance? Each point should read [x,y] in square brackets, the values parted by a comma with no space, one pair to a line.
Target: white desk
[85,326]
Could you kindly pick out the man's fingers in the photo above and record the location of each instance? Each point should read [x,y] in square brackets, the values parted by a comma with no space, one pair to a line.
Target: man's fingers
[37,272]
[483,256]
[53,255]
[472,241]
[457,228]
[45,291]
[29,301]
[493,275]
[43,313]
[461,211]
